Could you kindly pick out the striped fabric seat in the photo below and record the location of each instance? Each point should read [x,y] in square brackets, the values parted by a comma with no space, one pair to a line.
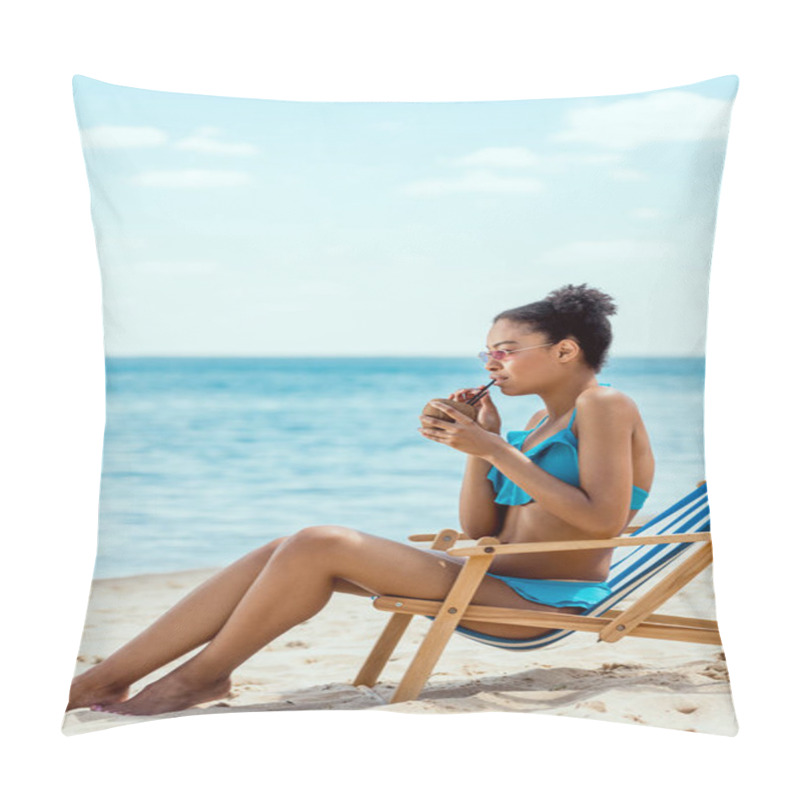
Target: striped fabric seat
[632,566]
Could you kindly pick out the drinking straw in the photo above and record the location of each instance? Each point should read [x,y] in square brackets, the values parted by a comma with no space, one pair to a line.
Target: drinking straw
[481,393]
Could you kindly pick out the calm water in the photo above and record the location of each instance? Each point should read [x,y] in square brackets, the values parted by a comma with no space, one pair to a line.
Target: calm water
[205,459]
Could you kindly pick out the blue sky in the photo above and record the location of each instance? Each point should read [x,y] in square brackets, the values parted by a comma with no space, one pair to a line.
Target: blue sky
[231,226]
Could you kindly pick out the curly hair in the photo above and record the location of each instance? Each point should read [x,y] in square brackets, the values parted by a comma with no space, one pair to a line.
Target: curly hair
[571,312]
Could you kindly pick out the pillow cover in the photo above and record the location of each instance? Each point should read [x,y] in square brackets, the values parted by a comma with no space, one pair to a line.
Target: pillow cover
[285,286]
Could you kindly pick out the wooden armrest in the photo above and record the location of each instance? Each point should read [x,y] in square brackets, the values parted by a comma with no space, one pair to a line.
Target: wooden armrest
[429,537]
[491,545]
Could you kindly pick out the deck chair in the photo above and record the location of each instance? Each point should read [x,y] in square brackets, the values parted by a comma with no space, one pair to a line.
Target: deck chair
[678,538]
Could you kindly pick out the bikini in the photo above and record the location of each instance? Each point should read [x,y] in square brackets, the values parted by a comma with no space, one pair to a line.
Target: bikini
[557,455]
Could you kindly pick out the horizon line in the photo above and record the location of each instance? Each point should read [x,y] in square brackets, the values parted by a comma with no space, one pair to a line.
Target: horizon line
[356,355]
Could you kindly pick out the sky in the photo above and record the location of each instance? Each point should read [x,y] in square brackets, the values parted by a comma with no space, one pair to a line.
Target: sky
[239,227]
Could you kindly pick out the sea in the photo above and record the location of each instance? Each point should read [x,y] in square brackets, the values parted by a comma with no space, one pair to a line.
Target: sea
[206,458]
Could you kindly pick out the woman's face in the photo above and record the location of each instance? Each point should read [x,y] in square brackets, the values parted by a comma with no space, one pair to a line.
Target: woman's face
[531,363]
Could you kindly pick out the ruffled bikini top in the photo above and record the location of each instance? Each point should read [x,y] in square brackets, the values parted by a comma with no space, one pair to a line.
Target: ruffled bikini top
[557,455]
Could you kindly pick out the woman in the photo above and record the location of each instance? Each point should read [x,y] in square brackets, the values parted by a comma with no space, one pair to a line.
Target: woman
[585,459]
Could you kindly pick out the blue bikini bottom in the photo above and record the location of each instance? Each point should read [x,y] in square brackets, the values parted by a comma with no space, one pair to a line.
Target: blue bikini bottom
[560,594]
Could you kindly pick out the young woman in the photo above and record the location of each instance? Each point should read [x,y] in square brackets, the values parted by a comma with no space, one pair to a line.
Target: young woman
[581,470]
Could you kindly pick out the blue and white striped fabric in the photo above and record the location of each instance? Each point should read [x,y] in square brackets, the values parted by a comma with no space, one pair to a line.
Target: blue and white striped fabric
[631,566]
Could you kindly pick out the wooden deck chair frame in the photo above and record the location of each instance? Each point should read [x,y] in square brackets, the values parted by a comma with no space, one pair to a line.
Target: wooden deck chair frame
[611,626]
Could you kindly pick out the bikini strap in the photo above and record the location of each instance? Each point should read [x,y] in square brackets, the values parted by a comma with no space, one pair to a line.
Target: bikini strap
[572,418]
[542,420]
[539,424]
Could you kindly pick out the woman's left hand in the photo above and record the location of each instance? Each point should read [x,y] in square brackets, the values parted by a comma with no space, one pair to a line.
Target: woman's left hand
[461,434]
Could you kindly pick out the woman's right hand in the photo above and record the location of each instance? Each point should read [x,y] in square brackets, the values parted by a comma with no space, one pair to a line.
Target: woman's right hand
[488,415]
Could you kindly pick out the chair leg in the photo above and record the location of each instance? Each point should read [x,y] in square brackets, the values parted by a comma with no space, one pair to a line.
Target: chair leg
[662,591]
[383,649]
[453,608]
[421,666]
[396,627]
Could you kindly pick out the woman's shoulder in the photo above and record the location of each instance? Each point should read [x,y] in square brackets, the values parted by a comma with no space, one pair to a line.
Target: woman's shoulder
[606,402]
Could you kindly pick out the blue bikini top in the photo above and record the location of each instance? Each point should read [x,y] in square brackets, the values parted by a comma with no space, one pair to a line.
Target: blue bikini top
[557,455]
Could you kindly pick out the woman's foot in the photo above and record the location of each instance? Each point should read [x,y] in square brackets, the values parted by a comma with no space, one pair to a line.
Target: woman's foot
[86,692]
[173,692]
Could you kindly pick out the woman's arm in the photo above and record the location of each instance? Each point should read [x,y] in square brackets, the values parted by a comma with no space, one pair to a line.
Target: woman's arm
[478,514]
[601,504]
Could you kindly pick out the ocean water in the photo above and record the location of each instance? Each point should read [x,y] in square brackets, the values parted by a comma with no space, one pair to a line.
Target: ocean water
[206,458]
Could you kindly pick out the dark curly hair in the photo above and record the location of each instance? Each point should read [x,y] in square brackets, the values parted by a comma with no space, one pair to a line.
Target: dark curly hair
[571,312]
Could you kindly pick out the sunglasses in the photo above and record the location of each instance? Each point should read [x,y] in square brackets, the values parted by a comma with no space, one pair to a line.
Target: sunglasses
[501,355]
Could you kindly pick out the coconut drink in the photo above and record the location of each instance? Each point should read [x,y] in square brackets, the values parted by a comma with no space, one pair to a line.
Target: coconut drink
[468,408]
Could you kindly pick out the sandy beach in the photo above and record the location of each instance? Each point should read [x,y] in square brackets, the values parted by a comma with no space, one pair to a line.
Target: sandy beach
[636,681]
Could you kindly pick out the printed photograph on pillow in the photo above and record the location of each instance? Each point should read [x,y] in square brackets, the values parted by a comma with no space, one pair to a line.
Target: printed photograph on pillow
[332,326]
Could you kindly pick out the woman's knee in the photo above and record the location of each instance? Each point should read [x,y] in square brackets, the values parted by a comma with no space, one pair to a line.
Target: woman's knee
[265,552]
[322,538]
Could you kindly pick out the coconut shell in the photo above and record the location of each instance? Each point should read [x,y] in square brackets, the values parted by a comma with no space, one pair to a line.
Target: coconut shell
[469,411]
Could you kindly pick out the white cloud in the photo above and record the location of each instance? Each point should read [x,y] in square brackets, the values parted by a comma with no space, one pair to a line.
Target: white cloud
[674,115]
[191,178]
[617,254]
[566,162]
[204,141]
[388,126]
[478,181]
[112,136]
[601,158]
[522,157]
[646,213]
[321,288]
[627,175]
[499,157]
[483,176]
[177,268]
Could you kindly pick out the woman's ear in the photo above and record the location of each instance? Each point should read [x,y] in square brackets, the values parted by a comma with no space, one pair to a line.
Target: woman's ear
[568,350]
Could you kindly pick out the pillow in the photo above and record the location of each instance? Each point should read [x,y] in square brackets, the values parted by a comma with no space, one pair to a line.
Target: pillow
[285,286]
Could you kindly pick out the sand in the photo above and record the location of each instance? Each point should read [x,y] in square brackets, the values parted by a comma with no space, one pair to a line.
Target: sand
[636,681]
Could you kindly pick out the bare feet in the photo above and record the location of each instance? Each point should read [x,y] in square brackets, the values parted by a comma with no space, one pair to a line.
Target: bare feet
[173,692]
[85,691]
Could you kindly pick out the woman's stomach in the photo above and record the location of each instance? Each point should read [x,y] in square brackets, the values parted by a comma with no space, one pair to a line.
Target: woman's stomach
[531,523]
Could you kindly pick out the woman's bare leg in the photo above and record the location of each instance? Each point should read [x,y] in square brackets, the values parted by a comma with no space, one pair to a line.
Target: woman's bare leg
[295,584]
[193,621]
